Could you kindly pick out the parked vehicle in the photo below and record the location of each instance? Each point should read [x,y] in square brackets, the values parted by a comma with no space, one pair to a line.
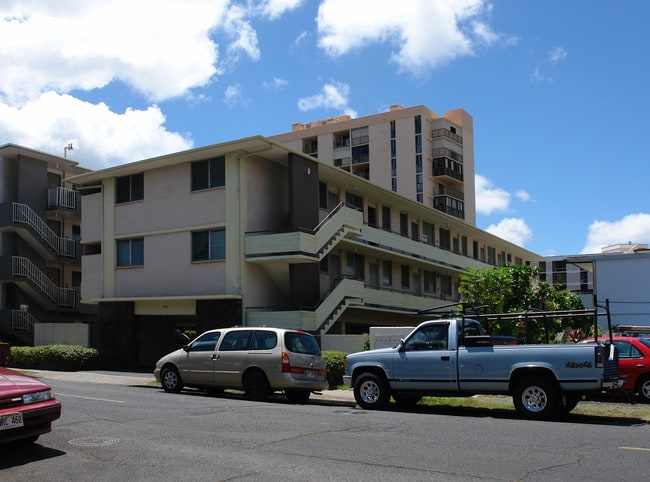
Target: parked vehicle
[27,407]
[634,364]
[454,357]
[257,360]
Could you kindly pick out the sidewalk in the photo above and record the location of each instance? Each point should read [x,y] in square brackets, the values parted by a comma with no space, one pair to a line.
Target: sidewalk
[135,379]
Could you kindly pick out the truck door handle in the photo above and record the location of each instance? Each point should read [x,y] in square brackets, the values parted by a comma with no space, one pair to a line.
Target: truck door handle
[444,358]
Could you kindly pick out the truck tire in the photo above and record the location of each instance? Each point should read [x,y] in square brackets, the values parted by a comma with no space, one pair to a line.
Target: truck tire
[371,392]
[536,398]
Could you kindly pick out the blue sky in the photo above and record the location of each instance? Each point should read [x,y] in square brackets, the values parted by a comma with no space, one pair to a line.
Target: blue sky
[558,90]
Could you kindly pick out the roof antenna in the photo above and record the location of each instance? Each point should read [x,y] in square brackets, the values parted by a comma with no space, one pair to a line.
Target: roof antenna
[66,149]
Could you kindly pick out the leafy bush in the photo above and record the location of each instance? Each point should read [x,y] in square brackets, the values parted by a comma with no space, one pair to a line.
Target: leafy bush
[335,367]
[54,357]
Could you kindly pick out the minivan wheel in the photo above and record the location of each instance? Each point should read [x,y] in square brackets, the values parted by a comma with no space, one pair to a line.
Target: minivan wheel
[256,386]
[171,380]
[297,396]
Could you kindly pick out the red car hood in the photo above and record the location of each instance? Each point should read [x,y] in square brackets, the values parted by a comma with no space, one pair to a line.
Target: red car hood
[15,383]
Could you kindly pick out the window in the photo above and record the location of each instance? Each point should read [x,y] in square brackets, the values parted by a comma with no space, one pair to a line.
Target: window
[406,277]
[209,245]
[445,238]
[354,265]
[418,144]
[418,124]
[130,252]
[429,282]
[385,218]
[129,188]
[387,273]
[372,216]
[403,224]
[431,337]
[427,233]
[236,340]
[208,173]
[354,201]
[392,129]
[627,350]
[264,340]
[206,342]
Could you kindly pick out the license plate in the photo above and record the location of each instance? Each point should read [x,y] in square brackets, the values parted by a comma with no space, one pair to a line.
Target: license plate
[12,420]
[310,374]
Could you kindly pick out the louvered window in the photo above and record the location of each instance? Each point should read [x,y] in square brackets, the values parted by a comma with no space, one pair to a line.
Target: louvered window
[209,245]
[208,173]
[130,188]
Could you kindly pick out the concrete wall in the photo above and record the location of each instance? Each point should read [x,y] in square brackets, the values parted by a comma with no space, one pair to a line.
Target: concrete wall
[61,333]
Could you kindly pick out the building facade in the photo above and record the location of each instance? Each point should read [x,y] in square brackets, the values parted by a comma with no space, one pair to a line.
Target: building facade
[40,262]
[617,275]
[411,151]
[253,233]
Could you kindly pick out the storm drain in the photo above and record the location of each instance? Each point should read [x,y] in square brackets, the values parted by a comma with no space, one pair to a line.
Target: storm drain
[93,441]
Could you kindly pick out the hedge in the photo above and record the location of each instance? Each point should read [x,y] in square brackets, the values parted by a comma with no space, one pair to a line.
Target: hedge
[54,357]
[334,361]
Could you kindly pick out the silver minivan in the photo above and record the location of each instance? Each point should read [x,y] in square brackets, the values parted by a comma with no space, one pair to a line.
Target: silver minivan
[258,360]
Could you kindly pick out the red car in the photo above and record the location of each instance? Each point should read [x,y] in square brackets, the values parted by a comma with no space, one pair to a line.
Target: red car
[634,363]
[27,407]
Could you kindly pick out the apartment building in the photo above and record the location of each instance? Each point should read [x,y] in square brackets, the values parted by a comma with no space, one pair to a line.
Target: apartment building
[252,233]
[411,151]
[617,275]
[40,263]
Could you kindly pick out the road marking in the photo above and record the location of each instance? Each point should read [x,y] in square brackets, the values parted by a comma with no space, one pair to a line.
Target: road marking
[91,398]
[635,448]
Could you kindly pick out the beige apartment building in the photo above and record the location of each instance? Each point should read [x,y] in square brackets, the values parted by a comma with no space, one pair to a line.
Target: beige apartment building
[251,232]
[411,151]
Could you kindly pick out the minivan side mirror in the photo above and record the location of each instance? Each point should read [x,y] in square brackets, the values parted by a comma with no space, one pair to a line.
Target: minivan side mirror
[186,348]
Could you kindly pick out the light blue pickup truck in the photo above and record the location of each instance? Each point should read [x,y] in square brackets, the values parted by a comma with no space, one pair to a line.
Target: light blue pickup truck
[454,357]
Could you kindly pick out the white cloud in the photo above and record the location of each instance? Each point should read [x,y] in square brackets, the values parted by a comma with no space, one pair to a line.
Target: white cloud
[233,96]
[276,84]
[101,138]
[62,46]
[557,54]
[490,198]
[331,96]
[427,33]
[634,228]
[276,8]
[514,230]
[523,195]
[238,27]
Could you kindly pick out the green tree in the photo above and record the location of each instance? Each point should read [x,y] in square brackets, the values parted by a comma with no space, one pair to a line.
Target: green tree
[517,289]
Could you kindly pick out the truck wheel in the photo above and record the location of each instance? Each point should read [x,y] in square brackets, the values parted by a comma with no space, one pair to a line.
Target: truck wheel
[371,392]
[536,398]
[643,387]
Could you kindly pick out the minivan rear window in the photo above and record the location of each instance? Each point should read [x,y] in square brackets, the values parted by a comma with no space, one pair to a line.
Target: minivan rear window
[301,343]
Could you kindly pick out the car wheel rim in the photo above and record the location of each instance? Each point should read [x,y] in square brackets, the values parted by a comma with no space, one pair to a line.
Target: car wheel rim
[534,399]
[645,390]
[369,392]
[170,379]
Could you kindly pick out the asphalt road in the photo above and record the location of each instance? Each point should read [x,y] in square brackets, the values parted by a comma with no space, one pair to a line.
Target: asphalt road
[111,433]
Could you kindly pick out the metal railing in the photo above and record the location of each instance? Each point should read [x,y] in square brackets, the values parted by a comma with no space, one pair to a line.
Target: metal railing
[23,267]
[60,197]
[444,152]
[447,133]
[22,320]
[22,213]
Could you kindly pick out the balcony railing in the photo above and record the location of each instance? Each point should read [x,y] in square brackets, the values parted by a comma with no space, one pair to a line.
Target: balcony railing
[22,213]
[22,320]
[444,152]
[60,197]
[445,171]
[23,267]
[447,133]
[446,191]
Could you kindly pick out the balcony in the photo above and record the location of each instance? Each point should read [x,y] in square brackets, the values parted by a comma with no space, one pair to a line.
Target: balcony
[437,133]
[446,191]
[448,153]
[304,246]
[63,199]
[448,205]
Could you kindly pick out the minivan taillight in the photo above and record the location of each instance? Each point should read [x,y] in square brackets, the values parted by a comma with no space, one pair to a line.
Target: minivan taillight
[286,365]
